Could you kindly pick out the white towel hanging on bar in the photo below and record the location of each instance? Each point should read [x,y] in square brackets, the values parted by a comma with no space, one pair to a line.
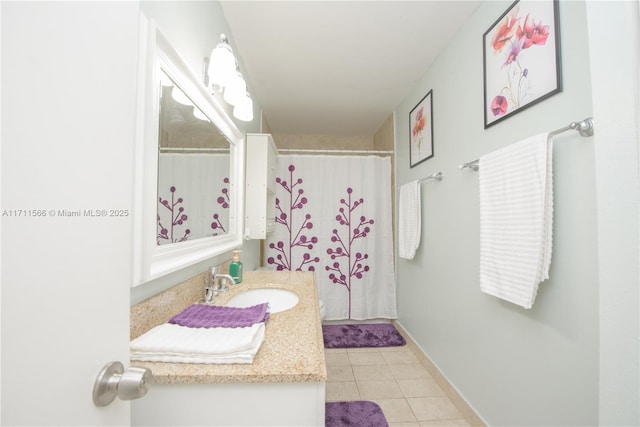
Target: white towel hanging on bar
[516,219]
[409,220]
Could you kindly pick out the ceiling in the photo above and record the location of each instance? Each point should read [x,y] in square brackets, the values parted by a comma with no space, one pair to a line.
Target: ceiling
[338,67]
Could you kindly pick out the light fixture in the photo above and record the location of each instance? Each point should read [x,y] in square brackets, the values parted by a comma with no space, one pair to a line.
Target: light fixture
[179,96]
[222,64]
[244,109]
[221,72]
[236,90]
[198,114]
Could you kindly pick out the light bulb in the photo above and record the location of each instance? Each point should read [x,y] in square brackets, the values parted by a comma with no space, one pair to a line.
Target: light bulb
[236,90]
[244,110]
[179,96]
[197,113]
[222,64]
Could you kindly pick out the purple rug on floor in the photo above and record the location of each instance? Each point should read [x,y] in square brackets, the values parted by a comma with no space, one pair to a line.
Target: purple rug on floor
[363,335]
[361,413]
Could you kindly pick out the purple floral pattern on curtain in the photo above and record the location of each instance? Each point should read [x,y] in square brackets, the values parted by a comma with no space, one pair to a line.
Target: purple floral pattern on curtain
[286,257]
[223,201]
[355,250]
[178,219]
[348,264]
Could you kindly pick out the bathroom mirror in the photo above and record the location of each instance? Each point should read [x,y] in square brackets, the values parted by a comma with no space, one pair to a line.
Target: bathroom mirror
[193,170]
[190,167]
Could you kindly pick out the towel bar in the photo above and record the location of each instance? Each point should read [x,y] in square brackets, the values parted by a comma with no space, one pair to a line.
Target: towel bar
[584,128]
[434,176]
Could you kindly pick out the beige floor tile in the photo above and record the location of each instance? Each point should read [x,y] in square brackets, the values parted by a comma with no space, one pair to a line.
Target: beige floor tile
[409,371]
[401,357]
[380,389]
[344,391]
[397,411]
[340,373]
[445,423]
[394,378]
[337,359]
[433,408]
[363,350]
[395,348]
[422,387]
[372,372]
[366,358]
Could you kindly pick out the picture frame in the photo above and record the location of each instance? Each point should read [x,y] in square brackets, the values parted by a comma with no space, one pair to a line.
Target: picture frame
[421,131]
[521,59]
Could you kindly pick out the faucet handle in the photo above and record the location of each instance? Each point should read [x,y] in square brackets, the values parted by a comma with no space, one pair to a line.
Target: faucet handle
[210,277]
[221,280]
[209,295]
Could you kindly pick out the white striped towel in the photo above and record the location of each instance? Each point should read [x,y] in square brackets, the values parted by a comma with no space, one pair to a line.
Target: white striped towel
[516,219]
[181,344]
[409,217]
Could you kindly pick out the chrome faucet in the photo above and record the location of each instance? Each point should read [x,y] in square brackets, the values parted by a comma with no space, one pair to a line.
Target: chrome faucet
[210,291]
[214,280]
[213,286]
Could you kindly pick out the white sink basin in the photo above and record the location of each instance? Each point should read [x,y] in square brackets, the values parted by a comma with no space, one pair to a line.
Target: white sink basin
[278,299]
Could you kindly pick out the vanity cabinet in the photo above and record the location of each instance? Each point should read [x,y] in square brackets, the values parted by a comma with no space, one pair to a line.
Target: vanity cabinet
[260,194]
[284,386]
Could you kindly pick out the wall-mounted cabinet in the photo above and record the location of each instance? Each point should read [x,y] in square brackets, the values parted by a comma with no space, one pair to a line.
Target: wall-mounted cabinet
[260,206]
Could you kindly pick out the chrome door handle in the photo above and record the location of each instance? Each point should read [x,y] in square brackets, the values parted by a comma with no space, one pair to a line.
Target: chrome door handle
[113,380]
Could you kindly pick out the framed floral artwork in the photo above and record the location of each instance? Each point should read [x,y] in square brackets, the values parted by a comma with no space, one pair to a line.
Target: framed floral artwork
[521,58]
[421,130]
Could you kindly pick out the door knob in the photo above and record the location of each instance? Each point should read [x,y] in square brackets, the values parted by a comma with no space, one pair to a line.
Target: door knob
[113,380]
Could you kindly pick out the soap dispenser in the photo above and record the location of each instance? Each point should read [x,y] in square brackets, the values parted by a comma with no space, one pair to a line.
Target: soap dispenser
[235,268]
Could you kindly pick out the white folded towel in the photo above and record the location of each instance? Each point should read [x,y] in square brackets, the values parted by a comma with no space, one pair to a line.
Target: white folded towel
[409,220]
[174,343]
[516,219]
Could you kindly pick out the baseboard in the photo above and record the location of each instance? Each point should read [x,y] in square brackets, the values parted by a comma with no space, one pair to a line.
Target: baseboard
[355,322]
[460,403]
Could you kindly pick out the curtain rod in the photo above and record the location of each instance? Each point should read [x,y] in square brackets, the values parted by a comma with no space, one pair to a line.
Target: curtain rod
[180,150]
[585,128]
[320,151]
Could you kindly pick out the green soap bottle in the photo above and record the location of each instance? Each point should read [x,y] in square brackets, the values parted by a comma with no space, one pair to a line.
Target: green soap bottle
[235,268]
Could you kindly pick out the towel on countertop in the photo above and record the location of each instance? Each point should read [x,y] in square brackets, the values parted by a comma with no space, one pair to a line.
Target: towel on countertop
[214,316]
[516,219]
[409,220]
[181,344]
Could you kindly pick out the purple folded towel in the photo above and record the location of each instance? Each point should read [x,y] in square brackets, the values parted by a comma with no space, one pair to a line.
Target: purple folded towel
[213,316]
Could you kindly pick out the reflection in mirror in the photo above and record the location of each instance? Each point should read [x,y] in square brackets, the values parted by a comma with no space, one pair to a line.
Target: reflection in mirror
[193,170]
[189,167]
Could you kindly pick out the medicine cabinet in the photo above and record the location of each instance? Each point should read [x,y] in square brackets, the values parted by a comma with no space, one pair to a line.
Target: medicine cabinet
[260,205]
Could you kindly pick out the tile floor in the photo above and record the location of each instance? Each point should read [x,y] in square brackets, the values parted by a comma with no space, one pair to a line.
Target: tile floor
[394,378]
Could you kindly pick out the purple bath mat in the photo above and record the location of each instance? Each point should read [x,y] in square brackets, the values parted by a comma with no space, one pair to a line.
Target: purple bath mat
[361,413]
[364,335]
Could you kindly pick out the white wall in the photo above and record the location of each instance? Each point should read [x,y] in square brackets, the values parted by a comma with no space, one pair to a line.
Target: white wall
[514,366]
[614,52]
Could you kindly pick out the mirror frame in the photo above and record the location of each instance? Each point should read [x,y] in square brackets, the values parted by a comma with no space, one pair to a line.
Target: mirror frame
[150,259]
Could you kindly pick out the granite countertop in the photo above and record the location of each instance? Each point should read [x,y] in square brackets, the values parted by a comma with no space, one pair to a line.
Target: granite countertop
[293,348]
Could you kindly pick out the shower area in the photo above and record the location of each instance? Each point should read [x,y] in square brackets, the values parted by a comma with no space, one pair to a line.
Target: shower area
[334,216]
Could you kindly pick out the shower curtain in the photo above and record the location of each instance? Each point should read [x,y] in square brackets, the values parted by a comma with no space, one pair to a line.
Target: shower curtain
[333,216]
[193,197]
